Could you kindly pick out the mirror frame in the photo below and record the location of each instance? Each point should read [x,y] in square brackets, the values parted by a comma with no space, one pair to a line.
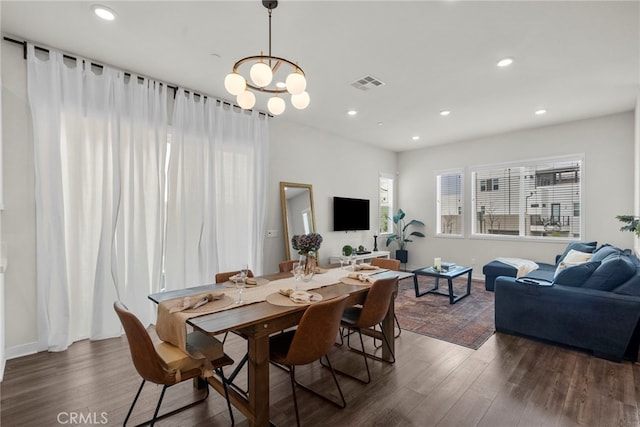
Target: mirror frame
[283,203]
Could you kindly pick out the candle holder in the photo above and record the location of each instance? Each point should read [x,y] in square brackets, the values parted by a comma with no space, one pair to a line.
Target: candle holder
[375,242]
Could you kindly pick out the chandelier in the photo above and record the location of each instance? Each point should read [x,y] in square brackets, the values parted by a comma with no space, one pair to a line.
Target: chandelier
[266,74]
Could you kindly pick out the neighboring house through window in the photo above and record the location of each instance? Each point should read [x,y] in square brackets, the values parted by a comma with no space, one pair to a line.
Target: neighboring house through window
[385,207]
[538,198]
[449,196]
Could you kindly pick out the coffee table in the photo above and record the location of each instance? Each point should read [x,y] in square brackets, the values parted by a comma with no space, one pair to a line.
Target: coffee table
[457,271]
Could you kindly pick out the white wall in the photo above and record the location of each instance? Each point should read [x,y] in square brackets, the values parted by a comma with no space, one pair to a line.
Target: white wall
[608,147]
[18,220]
[334,166]
[636,206]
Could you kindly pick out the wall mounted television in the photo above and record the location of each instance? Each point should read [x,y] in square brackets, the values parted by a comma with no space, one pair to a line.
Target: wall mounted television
[350,214]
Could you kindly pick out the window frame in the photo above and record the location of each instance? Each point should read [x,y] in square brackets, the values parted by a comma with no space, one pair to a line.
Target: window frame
[461,206]
[391,205]
[578,158]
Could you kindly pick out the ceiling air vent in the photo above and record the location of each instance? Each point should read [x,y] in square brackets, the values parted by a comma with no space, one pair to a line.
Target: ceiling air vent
[366,83]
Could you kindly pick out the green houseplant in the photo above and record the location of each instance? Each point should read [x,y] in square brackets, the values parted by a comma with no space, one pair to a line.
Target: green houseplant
[402,234]
[633,223]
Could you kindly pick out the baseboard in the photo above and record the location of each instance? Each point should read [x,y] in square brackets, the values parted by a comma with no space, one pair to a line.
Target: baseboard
[21,350]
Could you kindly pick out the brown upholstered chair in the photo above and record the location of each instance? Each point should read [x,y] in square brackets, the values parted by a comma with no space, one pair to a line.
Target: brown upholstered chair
[370,314]
[286,266]
[312,340]
[224,277]
[389,264]
[166,364]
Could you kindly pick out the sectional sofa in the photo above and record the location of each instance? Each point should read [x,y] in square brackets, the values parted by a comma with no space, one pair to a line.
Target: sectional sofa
[593,305]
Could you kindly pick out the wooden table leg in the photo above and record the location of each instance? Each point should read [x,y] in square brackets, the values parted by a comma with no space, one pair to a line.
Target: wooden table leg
[258,392]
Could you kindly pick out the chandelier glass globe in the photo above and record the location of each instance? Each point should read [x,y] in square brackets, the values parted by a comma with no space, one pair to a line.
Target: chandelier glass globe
[235,84]
[261,74]
[246,100]
[300,101]
[276,105]
[296,83]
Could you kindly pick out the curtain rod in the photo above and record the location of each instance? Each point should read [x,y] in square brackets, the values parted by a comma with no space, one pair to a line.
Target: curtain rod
[168,85]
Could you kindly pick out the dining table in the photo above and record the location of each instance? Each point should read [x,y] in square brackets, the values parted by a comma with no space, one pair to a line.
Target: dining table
[257,320]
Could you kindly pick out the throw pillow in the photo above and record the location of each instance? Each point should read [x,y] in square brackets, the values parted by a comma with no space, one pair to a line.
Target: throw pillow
[577,274]
[577,256]
[614,270]
[604,251]
[587,247]
[573,258]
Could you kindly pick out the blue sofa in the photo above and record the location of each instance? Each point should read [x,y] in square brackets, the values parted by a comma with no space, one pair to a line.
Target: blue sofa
[593,306]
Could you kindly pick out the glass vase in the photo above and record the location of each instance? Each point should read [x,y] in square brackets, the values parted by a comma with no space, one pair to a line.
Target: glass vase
[309,263]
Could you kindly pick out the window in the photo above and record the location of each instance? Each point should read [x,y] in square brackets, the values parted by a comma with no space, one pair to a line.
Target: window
[491,184]
[529,199]
[449,196]
[385,209]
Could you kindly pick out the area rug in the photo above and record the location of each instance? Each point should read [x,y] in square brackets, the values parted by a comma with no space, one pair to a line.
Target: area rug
[469,322]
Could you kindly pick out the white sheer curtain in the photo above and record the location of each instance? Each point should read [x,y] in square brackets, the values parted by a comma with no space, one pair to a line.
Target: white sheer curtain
[99,147]
[217,191]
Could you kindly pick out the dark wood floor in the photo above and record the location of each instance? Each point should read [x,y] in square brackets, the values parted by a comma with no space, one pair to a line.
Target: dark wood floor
[509,381]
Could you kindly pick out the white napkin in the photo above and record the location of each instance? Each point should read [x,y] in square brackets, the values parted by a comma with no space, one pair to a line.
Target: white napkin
[303,297]
[365,266]
[361,277]
[190,302]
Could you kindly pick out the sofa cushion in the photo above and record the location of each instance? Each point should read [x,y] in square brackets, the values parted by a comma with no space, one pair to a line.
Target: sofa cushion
[587,247]
[614,270]
[576,275]
[631,286]
[544,272]
[604,251]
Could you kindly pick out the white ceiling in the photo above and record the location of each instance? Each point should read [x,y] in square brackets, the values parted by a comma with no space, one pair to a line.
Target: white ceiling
[576,59]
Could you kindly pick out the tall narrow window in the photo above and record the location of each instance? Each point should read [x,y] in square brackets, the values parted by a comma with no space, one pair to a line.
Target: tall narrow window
[385,209]
[531,199]
[449,195]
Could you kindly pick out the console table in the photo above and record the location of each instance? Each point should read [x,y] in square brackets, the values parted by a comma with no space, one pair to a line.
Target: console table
[362,257]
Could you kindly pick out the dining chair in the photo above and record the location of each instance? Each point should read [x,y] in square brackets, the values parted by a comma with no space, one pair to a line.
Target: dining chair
[371,313]
[389,264]
[165,364]
[312,340]
[225,276]
[286,266]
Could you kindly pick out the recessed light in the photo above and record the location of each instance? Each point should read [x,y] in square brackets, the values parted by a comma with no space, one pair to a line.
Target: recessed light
[415,138]
[505,62]
[352,112]
[541,112]
[380,123]
[281,85]
[445,112]
[103,12]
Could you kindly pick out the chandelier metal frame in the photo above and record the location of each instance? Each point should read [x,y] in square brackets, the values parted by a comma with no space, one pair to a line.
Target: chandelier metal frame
[275,68]
[237,84]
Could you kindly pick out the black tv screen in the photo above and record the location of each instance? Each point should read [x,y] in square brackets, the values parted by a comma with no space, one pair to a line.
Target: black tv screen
[350,214]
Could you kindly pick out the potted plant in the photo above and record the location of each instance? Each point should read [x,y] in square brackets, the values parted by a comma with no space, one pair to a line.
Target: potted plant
[633,223]
[402,234]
